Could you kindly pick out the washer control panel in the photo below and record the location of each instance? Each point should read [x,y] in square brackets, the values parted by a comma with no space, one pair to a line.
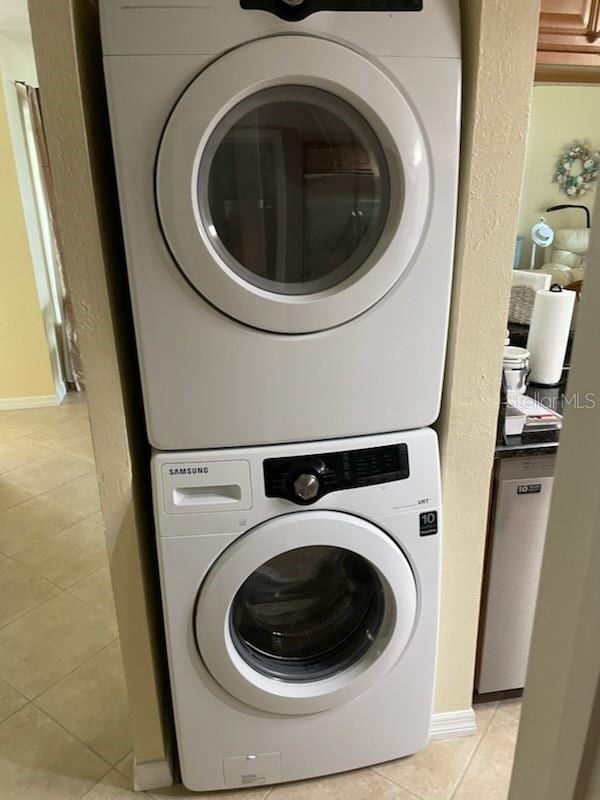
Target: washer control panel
[305,479]
[296,10]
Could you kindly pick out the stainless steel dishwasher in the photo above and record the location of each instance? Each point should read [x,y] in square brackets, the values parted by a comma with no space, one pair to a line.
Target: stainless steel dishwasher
[518,520]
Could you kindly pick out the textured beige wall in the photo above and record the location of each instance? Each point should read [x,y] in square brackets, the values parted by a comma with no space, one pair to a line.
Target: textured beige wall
[26,370]
[560,114]
[68,56]
[497,94]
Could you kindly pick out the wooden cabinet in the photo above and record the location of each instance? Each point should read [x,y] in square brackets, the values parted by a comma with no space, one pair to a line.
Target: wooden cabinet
[569,33]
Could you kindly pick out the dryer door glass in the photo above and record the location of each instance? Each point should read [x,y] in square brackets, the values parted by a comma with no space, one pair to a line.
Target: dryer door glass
[308,613]
[294,189]
[293,184]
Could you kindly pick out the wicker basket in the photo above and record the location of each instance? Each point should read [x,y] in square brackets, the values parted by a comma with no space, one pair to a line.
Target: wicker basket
[522,299]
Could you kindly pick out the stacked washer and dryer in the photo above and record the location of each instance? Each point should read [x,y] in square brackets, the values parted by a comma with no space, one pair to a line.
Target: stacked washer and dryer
[287,174]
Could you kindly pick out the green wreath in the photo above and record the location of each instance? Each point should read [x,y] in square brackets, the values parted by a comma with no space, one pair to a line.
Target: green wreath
[577,185]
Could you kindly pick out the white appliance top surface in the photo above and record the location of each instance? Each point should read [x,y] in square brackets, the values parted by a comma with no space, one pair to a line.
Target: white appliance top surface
[169,27]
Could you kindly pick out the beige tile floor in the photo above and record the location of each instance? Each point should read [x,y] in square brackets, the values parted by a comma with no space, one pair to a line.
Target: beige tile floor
[64,731]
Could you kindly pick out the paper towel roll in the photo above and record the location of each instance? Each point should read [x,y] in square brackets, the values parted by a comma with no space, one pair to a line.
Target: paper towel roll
[549,335]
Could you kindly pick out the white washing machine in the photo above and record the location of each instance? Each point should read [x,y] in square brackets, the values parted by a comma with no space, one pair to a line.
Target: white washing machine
[300,588]
[288,178]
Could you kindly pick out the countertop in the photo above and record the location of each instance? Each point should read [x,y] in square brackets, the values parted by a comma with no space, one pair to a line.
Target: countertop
[538,442]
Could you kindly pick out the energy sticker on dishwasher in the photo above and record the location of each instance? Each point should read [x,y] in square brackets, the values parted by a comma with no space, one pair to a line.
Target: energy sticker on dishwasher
[529,488]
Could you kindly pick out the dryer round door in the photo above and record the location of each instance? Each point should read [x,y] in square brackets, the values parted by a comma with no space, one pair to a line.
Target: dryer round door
[293,184]
[305,612]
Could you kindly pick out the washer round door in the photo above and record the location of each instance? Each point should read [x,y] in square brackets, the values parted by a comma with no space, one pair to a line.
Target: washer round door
[293,184]
[305,612]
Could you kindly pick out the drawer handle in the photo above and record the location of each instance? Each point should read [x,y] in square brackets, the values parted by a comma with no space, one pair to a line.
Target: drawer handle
[206,495]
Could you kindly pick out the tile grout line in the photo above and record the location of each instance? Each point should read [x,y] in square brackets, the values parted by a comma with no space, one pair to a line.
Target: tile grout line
[122,774]
[95,608]
[85,744]
[26,436]
[74,736]
[16,711]
[70,442]
[71,671]
[27,702]
[71,733]
[13,556]
[70,439]
[62,677]
[33,460]
[52,535]
[85,577]
[51,451]
[58,486]
[13,411]
[98,783]
[26,463]
[72,480]
[66,483]
[392,782]
[82,517]
[132,791]
[36,431]
[67,419]
[60,590]
[472,756]
[31,434]
[44,577]
[19,502]
[48,500]
[31,608]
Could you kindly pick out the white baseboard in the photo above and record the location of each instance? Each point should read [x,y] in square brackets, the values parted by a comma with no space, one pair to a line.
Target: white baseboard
[36,401]
[452,724]
[151,775]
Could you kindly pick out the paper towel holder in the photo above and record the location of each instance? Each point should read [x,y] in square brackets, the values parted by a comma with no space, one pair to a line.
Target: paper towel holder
[549,334]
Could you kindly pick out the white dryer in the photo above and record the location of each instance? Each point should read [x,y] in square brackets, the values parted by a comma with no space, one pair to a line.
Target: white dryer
[288,178]
[300,588]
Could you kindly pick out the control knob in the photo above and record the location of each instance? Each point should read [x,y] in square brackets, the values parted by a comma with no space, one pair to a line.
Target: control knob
[306,486]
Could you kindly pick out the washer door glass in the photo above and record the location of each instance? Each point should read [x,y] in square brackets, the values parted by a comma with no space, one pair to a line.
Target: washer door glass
[308,613]
[294,189]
